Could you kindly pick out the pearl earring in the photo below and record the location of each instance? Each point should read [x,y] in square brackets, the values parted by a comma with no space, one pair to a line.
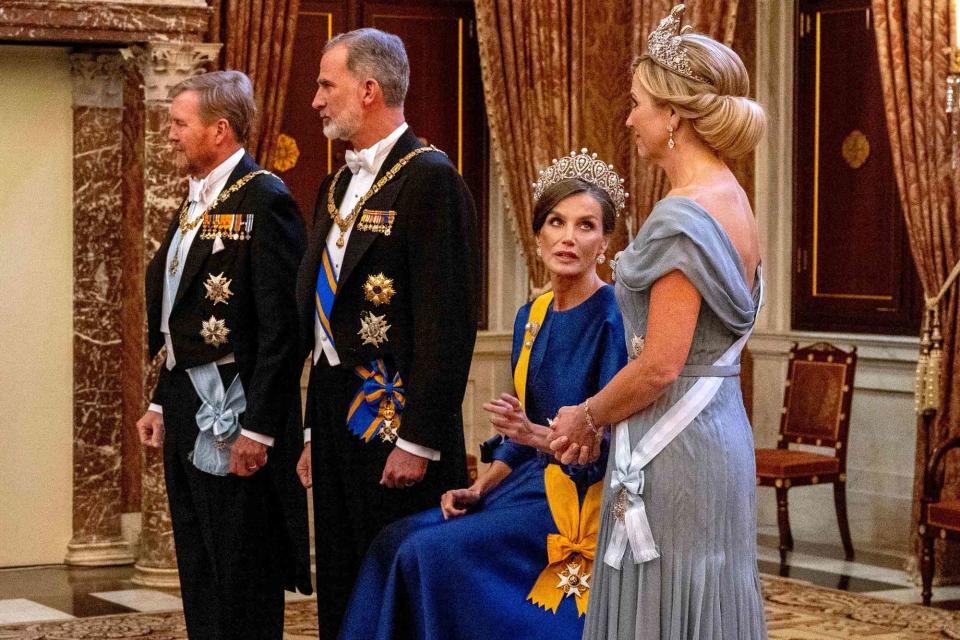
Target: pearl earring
[601,259]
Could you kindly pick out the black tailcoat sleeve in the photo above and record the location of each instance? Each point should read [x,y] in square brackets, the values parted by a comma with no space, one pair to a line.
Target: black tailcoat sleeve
[442,256]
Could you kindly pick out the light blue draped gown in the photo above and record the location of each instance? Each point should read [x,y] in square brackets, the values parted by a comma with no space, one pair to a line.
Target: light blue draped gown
[699,492]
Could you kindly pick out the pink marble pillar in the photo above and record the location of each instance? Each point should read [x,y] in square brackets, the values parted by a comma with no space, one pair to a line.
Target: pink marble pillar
[97,353]
[163,65]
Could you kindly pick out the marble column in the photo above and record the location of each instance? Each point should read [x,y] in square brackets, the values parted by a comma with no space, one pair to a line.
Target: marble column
[97,216]
[163,65]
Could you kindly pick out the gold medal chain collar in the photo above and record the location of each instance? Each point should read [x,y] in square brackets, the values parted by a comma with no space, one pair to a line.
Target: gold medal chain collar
[344,222]
[187,225]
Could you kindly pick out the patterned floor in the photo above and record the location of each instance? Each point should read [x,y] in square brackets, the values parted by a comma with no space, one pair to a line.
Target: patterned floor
[816,595]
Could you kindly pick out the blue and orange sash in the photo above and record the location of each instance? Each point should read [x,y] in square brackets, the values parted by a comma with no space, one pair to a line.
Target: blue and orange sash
[378,405]
[326,292]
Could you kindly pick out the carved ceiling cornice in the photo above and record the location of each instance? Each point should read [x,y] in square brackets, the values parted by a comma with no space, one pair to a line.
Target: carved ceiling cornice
[112,21]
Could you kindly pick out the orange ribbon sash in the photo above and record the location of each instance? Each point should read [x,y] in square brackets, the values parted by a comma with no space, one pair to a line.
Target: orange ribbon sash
[570,552]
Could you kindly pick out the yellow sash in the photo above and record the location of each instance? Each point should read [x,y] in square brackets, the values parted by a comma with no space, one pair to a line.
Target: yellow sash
[570,552]
[538,311]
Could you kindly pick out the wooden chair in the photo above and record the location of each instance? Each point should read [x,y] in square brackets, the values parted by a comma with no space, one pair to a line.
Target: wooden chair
[816,411]
[938,518]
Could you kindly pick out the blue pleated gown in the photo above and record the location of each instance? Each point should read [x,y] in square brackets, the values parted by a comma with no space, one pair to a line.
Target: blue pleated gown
[469,577]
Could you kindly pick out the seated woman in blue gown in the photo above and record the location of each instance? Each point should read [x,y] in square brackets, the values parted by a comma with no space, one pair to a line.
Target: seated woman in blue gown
[512,555]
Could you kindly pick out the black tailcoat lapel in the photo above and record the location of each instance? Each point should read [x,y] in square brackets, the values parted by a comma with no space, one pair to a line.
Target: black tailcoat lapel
[360,241]
[200,251]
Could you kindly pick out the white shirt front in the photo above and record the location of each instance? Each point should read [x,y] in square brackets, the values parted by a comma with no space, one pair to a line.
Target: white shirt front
[203,193]
[360,183]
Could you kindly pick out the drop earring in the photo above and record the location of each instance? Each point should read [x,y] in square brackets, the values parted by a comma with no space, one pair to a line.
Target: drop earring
[671,143]
[539,251]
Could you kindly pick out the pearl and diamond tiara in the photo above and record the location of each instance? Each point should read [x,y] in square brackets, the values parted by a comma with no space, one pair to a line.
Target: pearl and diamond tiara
[584,166]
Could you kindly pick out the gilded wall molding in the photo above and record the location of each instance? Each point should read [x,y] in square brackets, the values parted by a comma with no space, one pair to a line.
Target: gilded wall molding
[103,22]
[164,64]
[97,80]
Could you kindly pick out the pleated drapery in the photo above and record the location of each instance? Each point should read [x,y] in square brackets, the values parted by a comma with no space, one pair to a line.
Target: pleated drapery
[257,37]
[913,37]
[530,63]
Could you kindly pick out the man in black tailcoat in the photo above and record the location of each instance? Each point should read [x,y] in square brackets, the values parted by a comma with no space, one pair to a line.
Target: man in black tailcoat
[388,294]
[221,298]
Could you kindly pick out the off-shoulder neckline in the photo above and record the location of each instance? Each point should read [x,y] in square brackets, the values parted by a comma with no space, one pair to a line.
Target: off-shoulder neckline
[741,267]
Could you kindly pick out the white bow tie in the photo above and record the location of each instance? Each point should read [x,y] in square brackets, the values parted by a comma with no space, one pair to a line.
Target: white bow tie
[362,159]
[197,187]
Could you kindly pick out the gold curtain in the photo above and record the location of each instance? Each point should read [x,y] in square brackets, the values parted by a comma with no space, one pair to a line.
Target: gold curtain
[530,60]
[715,18]
[257,37]
[912,39]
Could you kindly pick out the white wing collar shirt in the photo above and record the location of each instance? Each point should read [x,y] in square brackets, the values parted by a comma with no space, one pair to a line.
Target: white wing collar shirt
[364,165]
[203,192]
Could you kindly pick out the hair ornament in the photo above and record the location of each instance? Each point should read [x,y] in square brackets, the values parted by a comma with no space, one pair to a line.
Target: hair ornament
[665,47]
[587,167]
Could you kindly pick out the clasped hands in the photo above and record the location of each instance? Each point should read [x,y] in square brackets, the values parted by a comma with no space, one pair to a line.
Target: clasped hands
[569,437]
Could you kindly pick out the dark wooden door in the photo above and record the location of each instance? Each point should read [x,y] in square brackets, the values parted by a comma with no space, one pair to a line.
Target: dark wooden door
[852,266]
[444,104]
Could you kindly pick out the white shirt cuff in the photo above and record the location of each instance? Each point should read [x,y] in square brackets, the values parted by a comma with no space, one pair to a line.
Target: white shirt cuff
[258,437]
[306,435]
[155,407]
[418,450]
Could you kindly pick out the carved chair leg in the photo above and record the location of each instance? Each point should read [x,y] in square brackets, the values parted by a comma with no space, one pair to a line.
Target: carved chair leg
[926,569]
[840,500]
[783,522]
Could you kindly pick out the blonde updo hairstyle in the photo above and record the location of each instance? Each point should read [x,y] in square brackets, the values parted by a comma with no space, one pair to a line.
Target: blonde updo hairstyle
[721,113]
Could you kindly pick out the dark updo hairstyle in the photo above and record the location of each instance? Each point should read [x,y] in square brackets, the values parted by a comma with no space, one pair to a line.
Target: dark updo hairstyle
[557,192]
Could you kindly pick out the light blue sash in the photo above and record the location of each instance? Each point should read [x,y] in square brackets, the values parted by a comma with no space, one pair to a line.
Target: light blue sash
[218,418]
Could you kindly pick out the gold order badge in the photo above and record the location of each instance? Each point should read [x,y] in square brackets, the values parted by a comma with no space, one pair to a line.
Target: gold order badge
[572,581]
[378,289]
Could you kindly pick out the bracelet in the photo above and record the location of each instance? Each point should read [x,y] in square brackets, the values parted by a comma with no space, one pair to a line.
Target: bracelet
[591,424]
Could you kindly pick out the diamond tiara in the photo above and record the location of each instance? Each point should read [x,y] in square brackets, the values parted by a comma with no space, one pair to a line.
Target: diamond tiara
[585,166]
[665,47]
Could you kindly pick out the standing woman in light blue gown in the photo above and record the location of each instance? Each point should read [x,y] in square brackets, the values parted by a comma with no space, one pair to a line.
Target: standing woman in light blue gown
[678,518]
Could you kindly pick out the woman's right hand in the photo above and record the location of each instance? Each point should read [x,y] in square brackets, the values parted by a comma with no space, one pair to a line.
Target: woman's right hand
[457,502]
[509,419]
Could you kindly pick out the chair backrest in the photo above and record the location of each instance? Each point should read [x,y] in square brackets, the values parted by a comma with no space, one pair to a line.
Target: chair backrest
[817,397]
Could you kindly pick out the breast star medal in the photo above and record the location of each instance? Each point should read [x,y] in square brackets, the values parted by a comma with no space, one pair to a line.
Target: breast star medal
[218,288]
[572,582]
[373,329]
[214,331]
[378,289]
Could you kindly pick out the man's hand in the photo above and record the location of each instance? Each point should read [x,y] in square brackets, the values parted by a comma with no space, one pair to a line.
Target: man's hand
[150,428]
[305,467]
[403,469]
[247,456]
